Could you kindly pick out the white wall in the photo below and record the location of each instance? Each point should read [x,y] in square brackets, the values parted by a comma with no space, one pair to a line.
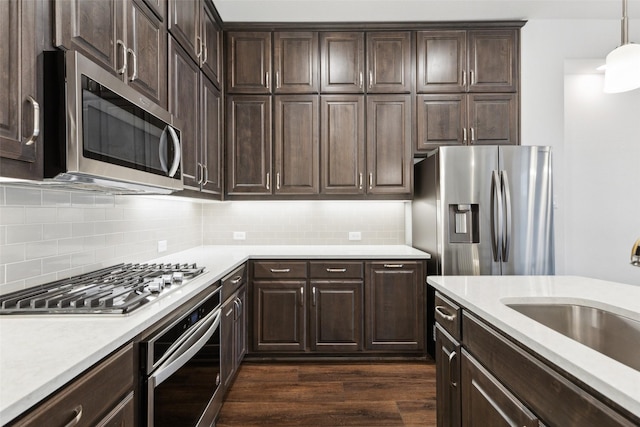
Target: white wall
[591,140]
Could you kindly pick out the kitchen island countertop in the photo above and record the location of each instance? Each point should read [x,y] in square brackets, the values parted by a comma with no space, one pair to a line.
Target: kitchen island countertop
[41,353]
[486,296]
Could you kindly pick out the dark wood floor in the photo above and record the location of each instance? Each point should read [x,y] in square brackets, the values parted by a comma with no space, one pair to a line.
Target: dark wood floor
[332,394]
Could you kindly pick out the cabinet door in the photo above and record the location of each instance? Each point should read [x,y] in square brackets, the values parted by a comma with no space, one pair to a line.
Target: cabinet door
[389,153]
[211,138]
[211,37]
[184,94]
[493,60]
[249,62]
[248,145]
[342,144]
[295,62]
[147,53]
[442,120]
[335,316]
[184,26]
[447,379]
[441,61]
[240,327]
[342,62]
[493,119]
[389,62]
[94,28]
[227,345]
[296,144]
[279,309]
[485,401]
[19,107]
[395,306]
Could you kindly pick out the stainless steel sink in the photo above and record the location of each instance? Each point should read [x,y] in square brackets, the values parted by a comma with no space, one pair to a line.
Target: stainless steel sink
[609,333]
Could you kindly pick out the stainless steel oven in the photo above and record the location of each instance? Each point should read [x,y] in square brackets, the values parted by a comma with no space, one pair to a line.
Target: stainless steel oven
[99,132]
[181,368]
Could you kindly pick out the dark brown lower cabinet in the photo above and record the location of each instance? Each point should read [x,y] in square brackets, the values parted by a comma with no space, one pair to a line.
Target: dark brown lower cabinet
[279,315]
[447,379]
[486,402]
[233,335]
[102,396]
[395,306]
[335,316]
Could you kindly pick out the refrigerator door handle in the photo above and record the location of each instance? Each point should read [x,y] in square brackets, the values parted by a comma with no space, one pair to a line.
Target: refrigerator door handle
[496,216]
[506,191]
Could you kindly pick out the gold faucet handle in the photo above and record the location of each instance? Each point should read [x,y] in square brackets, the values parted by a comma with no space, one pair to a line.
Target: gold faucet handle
[635,254]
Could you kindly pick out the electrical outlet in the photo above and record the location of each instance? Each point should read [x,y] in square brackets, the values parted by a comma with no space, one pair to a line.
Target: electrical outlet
[162,245]
[239,235]
[355,235]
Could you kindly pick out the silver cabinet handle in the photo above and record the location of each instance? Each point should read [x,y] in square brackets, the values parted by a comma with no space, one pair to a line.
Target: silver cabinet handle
[205,52]
[393,265]
[302,295]
[464,135]
[36,121]
[277,79]
[452,356]
[206,174]
[199,47]
[336,270]
[473,135]
[124,57]
[268,181]
[266,80]
[277,180]
[464,77]
[360,181]
[236,312]
[370,180]
[280,270]
[236,280]
[201,173]
[313,299]
[135,65]
[370,79]
[473,77]
[360,83]
[77,411]
[442,311]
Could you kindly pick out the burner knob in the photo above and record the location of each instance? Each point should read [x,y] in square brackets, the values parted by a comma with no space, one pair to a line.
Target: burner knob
[156,284]
[167,278]
[178,276]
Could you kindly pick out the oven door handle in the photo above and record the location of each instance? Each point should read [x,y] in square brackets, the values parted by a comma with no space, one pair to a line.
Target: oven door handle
[188,349]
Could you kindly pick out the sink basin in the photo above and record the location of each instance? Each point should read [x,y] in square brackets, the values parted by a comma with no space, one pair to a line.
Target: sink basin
[609,333]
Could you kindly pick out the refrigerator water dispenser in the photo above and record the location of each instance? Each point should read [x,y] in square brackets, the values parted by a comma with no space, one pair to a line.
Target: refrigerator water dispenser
[464,223]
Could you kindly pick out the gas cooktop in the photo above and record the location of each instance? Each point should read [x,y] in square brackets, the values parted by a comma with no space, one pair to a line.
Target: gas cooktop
[119,289]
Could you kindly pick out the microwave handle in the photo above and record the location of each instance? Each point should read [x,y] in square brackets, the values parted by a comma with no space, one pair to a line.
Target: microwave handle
[188,349]
[176,150]
[162,150]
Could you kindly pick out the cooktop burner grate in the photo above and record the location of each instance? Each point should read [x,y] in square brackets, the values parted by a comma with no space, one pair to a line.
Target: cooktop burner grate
[118,289]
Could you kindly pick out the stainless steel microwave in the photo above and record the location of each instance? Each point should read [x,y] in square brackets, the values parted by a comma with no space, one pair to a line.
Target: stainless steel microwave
[99,133]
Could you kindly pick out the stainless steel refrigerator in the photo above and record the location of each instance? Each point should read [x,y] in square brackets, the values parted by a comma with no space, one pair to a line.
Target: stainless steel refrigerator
[485,210]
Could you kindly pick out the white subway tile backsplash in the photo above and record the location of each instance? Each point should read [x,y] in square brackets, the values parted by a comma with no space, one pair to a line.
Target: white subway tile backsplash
[56,231]
[11,215]
[12,253]
[55,264]
[41,215]
[43,249]
[20,196]
[23,233]
[22,270]
[56,198]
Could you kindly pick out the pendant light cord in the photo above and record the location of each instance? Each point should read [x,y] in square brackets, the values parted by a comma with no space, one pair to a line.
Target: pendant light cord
[625,24]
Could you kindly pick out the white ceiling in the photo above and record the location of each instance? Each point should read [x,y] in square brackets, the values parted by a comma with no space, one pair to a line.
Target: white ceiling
[419,10]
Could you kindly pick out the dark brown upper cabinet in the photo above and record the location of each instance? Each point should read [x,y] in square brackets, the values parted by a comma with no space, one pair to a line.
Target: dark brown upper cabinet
[295,62]
[20,121]
[493,119]
[248,62]
[343,162]
[467,61]
[125,37]
[193,25]
[389,62]
[248,144]
[389,163]
[297,144]
[342,62]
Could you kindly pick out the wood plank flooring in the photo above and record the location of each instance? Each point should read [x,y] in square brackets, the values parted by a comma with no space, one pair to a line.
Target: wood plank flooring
[331,394]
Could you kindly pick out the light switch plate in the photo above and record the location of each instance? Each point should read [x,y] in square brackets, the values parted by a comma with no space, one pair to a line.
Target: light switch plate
[355,235]
[162,245]
[239,235]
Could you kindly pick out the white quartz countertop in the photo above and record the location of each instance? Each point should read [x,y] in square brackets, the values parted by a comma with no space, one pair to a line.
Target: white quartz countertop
[41,353]
[486,297]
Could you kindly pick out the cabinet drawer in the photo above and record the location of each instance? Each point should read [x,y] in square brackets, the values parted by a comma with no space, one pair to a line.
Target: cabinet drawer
[280,270]
[91,397]
[336,270]
[448,315]
[233,281]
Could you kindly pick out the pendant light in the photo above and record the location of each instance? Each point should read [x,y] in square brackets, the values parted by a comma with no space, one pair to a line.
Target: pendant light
[622,70]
